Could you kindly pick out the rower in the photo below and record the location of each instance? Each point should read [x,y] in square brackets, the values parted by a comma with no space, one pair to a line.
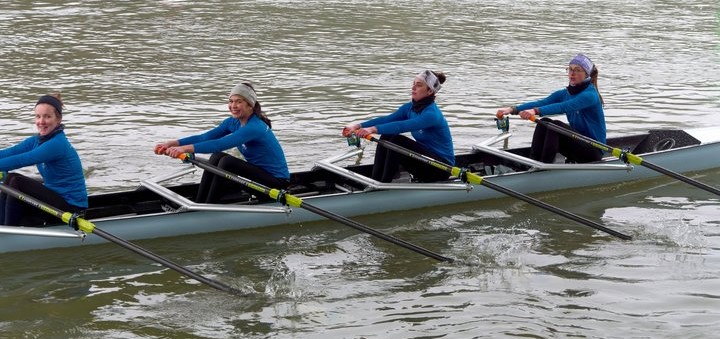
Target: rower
[583,106]
[248,130]
[424,120]
[57,161]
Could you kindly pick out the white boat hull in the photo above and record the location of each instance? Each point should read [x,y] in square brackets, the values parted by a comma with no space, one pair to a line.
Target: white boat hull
[350,204]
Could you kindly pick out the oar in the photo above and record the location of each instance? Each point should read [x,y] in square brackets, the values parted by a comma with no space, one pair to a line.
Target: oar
[626,156]
[88,227]
[294,201]
[479,180]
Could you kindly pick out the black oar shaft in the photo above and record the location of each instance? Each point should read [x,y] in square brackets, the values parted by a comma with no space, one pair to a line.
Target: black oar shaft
[363,228]
[551,208]
[680,177]
[165,262]
[89,227]
[476,179]
[298,202]
[632,157]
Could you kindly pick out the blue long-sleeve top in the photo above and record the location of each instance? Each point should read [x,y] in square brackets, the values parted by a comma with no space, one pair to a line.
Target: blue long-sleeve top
[584,110]
[255,141]
[428,127]
[58,164]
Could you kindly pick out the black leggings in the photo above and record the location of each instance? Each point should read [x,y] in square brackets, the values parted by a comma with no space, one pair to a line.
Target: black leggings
[546,143]
[213,188]
[14,212]
[387,161]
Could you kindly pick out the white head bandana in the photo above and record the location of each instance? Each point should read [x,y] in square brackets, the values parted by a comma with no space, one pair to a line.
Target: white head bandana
[246,92]
[430,79]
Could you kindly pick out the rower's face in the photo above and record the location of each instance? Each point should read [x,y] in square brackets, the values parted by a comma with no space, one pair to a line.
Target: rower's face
[46,119]
[239,108]
[576,74]
[420,90]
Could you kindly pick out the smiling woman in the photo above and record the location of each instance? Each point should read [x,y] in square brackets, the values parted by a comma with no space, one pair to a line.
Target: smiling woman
[56,160]
[247,129]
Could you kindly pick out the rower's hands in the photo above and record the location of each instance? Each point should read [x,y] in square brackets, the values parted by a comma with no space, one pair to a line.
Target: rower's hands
[357,130]
[528,114]
[350,129]
[161,148]
[176,151]
[173,151]
[364,132]
[502,112]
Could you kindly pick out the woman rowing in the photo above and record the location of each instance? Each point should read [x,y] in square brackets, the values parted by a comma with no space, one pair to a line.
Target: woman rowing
[424,120]
[247,129]
[583,106]
[57,161]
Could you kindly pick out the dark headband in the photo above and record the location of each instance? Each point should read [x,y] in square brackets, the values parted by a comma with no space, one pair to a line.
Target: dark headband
[52,101]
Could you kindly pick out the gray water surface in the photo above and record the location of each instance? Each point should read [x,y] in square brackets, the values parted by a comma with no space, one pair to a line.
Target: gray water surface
[139,72]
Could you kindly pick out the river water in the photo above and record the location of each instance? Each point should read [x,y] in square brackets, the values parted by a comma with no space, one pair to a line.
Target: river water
[138,72]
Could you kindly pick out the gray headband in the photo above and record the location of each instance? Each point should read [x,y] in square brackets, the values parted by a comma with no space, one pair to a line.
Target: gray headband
[246,92]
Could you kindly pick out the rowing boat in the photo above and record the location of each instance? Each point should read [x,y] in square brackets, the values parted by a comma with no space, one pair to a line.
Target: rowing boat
[155,210]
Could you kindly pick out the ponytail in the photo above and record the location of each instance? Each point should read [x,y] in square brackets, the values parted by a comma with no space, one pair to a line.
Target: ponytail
[593,77]
[257,109]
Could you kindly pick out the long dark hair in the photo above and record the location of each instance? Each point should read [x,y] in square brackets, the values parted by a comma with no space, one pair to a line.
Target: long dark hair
[257,109]
[593,78]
